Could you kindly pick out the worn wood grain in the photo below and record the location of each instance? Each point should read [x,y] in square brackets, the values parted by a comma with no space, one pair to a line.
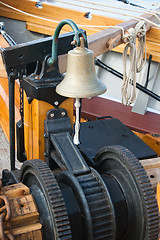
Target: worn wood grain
[24,221]
[4,153]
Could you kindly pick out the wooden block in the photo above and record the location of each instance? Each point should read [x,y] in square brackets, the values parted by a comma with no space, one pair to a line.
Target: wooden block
[23,208]
[152,167]
[15,190]
[31,232]
[24,221]
[154,176]
[153,140]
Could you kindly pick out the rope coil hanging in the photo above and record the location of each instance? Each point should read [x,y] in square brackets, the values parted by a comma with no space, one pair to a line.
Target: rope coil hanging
[136,61]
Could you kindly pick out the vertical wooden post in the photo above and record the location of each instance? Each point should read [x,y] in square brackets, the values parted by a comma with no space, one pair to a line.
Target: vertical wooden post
[34,116]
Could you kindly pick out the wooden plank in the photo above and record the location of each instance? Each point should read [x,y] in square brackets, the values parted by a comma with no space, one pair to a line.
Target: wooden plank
[48,30]
[30,232]
[4,86]
[158,195]
[97,42]
[151,163]
[15,190]
[4,112]
[153,35]
[50,11]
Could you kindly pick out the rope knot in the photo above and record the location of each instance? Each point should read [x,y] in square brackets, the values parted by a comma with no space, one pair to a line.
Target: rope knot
[136,60]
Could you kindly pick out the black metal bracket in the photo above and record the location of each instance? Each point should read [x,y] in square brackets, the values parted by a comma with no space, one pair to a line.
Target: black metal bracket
[20,60]
[59,147]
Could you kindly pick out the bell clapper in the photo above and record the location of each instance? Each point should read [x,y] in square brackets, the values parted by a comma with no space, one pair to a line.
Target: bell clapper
[77,123]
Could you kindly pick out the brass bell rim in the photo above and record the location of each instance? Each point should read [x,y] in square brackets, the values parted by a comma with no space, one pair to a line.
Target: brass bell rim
[82,93]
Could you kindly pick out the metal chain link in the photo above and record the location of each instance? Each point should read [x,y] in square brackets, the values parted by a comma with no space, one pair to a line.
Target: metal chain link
[5,214]
[21,99]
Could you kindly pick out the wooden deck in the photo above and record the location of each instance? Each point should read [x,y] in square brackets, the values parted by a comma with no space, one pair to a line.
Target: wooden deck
[4,153]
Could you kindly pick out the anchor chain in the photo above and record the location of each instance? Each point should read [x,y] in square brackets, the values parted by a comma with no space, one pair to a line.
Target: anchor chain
[5,214]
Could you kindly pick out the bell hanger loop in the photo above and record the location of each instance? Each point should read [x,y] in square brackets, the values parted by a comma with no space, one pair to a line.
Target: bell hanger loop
[77,32]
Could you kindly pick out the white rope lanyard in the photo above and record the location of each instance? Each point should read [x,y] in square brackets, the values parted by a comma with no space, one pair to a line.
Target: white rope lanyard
[77,123]
[136,62]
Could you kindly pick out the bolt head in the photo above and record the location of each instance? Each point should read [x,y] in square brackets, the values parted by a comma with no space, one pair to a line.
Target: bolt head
[45,154]
[46,135]
[63,114]
[52,115]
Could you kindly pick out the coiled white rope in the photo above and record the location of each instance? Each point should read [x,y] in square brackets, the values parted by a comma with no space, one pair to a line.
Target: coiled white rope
[136,62]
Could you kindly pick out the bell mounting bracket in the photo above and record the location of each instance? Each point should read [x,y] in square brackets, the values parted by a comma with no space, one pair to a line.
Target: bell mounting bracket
[59,147]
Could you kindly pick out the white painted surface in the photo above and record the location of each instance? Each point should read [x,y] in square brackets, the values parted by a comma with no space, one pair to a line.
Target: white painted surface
[113,83]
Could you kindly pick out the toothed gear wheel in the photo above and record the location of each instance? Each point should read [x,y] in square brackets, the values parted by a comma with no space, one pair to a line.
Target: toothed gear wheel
[100,205]
[48,197]
[133,180]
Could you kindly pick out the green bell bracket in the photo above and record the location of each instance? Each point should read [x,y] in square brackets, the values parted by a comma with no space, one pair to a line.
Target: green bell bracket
[78,33]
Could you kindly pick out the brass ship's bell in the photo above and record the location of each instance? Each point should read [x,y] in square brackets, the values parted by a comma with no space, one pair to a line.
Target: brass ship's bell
[80,80]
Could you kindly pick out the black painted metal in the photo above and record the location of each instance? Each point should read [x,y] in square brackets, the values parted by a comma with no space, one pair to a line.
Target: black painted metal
[6,36]
[21,156]
[49,200]
[117,203]
[59,146]
[12,121]
[120,75]
[33,51]
[10,177]
[136,196]
[69,180]
[148,71]
[97,134]
[42,86]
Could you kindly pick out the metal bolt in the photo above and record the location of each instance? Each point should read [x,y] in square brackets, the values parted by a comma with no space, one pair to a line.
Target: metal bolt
[38,5]
[63,114]
[45,154]
[56,103]
[51,115]
[45,135]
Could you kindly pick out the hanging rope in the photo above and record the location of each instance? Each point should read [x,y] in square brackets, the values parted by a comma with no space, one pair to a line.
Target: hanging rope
[136,61]
[77,123]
